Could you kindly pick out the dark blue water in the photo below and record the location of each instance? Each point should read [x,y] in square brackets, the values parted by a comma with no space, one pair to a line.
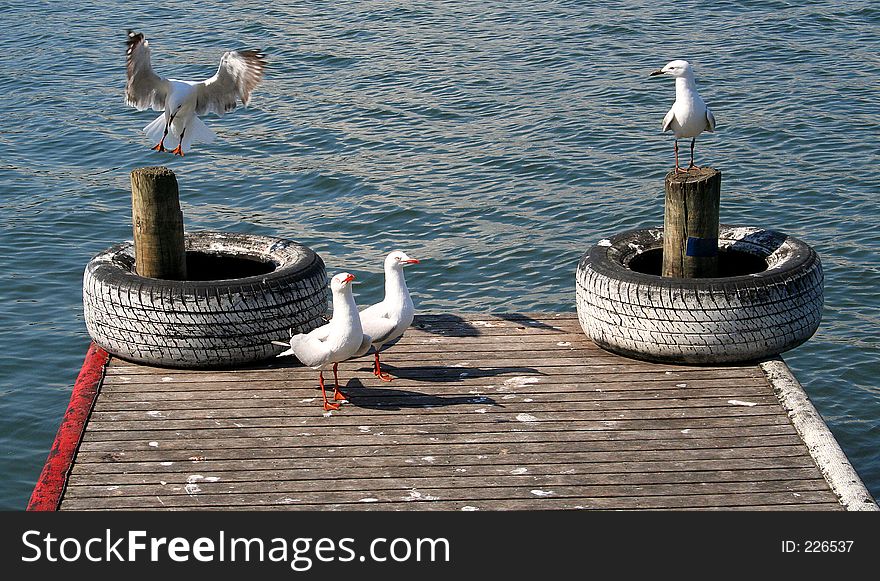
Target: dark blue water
[497,141]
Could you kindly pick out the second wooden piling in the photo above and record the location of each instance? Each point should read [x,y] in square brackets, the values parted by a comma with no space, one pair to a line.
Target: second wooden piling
[690,228]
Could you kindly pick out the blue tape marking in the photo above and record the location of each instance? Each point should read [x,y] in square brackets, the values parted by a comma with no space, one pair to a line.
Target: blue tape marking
[702,247]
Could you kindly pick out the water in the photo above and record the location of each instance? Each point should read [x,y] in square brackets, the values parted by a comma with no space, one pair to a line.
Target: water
[497,141]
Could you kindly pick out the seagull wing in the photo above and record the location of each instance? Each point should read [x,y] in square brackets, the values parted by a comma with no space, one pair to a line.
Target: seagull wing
[321,333]
[310,350]
[667,121]
[144,88]
[378,323]
[366,343]
[238,75]
[710,121]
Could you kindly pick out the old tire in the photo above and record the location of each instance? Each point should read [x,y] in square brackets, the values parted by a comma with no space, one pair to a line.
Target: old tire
[243,291]
[624,305]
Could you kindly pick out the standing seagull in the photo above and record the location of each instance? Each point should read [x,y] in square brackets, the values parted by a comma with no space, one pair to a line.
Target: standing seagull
[334,342]
[386,321]
[183,101]
[689,115]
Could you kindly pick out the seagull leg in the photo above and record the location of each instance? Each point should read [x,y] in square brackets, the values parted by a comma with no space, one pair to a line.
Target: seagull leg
[327,405]
[179,150]
[692,166]
[161,145]
[337,395]
[377,370]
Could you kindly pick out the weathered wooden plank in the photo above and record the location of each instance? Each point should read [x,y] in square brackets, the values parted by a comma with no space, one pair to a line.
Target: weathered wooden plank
[412,400]
[537,389]
[622,497]
[586,431]
[450,454]
[371,416]
[558,504]
[670,388]
[113,422]
[389,489]
[633,472]
[485,443]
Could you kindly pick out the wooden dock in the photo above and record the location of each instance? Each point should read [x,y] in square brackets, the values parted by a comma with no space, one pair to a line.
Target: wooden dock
[487,412]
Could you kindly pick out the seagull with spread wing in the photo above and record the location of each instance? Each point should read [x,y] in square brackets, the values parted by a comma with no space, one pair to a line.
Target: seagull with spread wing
[183,101]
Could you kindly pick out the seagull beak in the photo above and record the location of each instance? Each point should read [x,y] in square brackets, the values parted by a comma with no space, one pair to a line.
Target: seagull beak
[348,278]
[411,261]
[657,72]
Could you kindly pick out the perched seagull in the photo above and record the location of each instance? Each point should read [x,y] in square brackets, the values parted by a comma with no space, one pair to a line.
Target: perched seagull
[387,320]
[183,101]
[689,115]
[338,340]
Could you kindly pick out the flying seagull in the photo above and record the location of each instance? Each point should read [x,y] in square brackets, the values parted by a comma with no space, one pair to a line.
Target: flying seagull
[689,115]
[183,101]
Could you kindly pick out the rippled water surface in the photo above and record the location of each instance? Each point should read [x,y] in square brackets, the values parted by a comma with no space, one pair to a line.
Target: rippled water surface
[495,140]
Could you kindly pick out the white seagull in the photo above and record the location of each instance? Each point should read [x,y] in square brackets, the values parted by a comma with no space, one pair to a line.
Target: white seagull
[689,115]
[183,101]
[387,320]
[337,341]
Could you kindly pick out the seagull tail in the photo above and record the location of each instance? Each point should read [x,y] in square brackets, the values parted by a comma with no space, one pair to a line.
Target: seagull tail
[197,132]
[156,128]
[286,352]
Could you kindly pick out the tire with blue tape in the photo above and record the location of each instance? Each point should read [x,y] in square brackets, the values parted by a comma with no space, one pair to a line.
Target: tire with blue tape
[770,305]
[243,292]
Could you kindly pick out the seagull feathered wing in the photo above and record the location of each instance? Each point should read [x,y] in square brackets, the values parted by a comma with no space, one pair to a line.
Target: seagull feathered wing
[377,322]
[238,75]
[144,89]
[667,121]
[710,121]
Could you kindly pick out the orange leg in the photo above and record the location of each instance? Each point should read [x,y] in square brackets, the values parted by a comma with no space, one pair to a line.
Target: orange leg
[337,395]
[161,145]
[377,370]
[327,405]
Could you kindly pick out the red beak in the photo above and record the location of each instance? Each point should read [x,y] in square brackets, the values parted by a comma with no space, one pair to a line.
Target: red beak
[348,278]
[411,261]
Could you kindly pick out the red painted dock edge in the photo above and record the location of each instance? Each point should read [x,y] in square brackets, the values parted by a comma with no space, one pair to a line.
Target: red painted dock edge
[47,492]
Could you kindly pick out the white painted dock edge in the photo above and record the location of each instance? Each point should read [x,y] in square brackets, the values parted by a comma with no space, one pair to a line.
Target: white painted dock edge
[823,446]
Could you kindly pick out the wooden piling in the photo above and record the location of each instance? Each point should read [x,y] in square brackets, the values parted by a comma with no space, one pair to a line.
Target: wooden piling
[690,231]
[157,223]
